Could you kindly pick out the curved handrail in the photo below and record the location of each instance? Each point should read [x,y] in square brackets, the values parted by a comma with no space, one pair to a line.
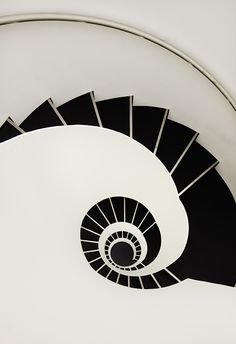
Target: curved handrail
[34,17]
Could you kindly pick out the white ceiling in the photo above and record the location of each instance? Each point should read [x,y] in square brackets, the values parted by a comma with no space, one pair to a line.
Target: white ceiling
[68,59]
[204,29]
[192,312]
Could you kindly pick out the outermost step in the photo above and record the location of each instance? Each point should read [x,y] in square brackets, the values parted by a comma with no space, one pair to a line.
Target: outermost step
[9,129]
[80,110]
[116,114]
[45,115]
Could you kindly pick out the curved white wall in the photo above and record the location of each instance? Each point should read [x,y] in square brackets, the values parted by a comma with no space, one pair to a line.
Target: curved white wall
[204,29]
[193,312]
[68,59]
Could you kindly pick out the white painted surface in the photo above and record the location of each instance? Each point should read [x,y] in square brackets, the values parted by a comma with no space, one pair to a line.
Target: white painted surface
[191,312]
[204,29]
[63,172]
[87,57]
[49,293]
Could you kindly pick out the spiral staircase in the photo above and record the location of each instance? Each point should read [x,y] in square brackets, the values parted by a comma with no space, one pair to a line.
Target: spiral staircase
[119,235]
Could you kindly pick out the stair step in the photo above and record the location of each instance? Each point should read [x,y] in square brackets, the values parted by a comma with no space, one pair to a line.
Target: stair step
[119,205]
[148,122]
[43,116]
[116,114]
[123,280]
[92,225]
[173,142]
[153,239]
[126,210]
[164,278]
[113,276]
[210,249]
[207,200]
[104,271]
[131,206]
[97,264]
[149,282]
[9,130]
[81,110]
[195,162]
[96,214]
[135,282]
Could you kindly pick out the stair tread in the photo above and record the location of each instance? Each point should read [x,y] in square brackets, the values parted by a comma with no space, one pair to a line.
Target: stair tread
[147,121]
[123,280]
[148,282]
[196,160]
[210,251]
[135,282]
[164,278]
[8,131]
[174,140]
[42,117]
[209,254]
[80,110]
[115,113]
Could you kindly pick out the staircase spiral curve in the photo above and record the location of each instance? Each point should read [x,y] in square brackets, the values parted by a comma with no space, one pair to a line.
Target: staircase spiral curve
[119,235]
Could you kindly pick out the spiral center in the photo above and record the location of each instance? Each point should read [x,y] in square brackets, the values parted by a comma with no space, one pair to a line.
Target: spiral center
[122,253]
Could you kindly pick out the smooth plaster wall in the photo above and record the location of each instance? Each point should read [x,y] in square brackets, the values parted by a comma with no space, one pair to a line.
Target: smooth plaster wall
[203,29]
[196,312]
